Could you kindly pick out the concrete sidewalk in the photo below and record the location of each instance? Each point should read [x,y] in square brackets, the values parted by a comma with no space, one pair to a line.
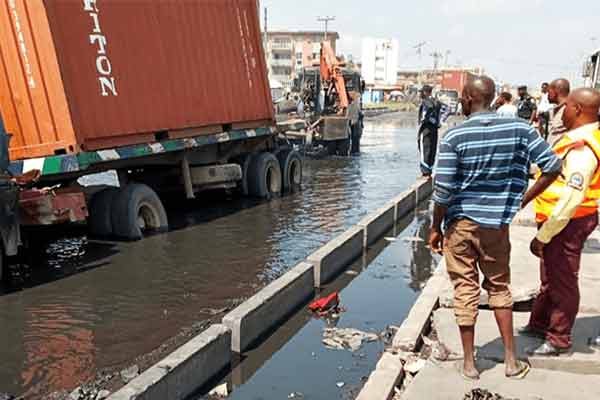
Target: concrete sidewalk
[572,376]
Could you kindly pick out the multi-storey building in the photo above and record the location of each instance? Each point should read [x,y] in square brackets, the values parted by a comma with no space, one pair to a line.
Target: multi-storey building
[380,61]
[287,52]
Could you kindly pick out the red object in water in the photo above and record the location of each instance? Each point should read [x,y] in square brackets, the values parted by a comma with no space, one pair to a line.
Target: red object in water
[325,303]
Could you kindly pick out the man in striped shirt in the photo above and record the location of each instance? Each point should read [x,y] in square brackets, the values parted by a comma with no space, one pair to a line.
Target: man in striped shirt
[481,177]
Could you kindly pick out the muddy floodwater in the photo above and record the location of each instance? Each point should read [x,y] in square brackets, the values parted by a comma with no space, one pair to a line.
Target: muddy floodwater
[90,305]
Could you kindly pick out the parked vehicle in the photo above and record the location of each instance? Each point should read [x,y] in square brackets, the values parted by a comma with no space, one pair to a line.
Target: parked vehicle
[591,70]
[151,96]
[450,98]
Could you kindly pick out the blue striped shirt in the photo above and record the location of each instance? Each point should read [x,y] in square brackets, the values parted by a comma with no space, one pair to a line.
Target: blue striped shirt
[483,168]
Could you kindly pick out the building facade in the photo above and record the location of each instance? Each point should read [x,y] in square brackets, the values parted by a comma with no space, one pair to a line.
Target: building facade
[287,52]
[380,61]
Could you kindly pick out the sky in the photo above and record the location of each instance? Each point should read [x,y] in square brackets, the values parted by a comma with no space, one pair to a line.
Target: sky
[516,41]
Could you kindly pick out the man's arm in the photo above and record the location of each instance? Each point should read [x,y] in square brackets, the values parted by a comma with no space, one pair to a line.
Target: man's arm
[549,163]
[444,190]
[580,166]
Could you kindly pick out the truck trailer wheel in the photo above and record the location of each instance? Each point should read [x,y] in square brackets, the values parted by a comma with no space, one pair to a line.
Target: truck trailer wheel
[100,220]
[244,162]
[356,136]
[137,209]
[290,163]
[343,147]
[264,176]
[2,264]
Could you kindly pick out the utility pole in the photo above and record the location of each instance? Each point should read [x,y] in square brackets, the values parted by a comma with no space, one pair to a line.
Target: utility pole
[448,52]
[437,56]
[326,19]
[266,27]
[419,48]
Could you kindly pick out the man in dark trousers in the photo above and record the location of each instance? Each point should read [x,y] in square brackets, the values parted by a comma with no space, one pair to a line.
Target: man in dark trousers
[480,180]
[430,119]
[526,106]
[567,213]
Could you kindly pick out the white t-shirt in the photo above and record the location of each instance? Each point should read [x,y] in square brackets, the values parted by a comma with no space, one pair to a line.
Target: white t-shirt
[507,111]
[545,105]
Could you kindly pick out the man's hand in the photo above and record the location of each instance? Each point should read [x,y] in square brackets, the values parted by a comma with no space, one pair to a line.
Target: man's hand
[436,241]
[537,248]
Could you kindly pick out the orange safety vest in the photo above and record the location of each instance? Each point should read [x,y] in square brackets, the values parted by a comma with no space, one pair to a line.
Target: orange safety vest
[547,201]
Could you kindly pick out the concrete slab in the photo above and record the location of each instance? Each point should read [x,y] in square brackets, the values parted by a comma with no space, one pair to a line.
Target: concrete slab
[184,371]
[405,203]
[262,312]
[423,188]
[332,258]
[378,223]
[442,382]
[382,382]
[583,360]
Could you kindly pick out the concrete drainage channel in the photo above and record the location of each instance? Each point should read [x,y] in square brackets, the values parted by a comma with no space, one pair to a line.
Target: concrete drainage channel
[210,354]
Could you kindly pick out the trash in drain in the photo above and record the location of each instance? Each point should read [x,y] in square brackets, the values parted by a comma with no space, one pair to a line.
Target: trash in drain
[347,338]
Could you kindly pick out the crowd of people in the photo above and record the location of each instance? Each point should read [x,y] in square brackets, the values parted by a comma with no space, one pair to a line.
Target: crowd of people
[481,182]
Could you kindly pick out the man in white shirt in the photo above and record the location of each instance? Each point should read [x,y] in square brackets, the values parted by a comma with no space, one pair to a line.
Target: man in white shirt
[506,109]
[543,111]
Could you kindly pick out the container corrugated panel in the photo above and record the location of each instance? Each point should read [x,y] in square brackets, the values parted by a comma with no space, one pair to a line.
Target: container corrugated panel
[32,97]
[130,69]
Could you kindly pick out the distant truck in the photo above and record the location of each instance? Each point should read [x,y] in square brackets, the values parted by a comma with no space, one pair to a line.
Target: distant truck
[143,89]
[450,98]
[591,70]
[456,80]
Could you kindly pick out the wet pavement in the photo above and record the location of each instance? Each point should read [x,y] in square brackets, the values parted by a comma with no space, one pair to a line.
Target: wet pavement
[95,305]
[377,292]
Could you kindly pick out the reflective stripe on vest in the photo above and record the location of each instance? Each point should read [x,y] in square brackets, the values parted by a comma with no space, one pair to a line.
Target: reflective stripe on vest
[547,201]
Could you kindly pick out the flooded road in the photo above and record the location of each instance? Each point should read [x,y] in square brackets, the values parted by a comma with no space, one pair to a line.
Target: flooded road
[96,305]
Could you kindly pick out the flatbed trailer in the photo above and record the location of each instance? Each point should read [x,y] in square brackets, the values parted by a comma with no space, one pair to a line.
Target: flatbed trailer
[255,162]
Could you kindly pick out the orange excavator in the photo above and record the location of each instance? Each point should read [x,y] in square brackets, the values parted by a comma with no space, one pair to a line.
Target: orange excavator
[331,73]
[331,97]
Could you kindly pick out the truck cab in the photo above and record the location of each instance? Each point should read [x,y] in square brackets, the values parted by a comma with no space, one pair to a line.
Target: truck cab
[10,237]
[591,70]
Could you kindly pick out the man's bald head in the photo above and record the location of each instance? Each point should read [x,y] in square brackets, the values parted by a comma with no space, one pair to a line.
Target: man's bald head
[559,90]
[582,108]
[478,95]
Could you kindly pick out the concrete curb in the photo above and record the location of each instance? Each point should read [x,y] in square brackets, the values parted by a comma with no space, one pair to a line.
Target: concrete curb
[185,370]
[387,375]
[330,259]
[378,223]
[259,314]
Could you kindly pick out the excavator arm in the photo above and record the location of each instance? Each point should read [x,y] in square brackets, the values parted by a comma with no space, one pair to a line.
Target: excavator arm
[331,72]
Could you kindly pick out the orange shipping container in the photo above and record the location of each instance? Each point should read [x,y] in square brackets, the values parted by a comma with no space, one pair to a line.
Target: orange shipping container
[95,74]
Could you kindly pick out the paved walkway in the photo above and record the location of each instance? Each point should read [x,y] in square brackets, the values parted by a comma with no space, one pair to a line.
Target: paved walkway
[572,376]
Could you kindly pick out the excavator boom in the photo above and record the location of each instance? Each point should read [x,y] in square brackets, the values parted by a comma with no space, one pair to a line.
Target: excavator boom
[331,71]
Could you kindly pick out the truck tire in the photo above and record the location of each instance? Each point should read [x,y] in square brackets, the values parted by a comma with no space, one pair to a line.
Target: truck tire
[100,219]
[356,136]
[2,264]
[290,163]
[343,147]
[244,162]
[137,209]
[264,176]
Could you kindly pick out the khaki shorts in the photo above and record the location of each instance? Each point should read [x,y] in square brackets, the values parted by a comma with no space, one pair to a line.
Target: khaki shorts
[469,248]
